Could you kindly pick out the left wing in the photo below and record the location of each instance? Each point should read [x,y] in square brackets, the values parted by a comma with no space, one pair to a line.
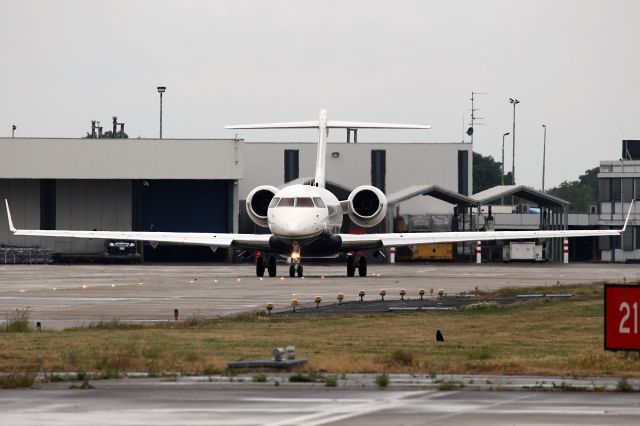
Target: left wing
[248,241]
[369,241]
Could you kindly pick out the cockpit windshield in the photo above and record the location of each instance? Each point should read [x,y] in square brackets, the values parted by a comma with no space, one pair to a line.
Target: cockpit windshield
[286,202]
[304,202]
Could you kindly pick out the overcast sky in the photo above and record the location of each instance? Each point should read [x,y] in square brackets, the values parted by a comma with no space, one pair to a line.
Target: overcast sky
[574,65]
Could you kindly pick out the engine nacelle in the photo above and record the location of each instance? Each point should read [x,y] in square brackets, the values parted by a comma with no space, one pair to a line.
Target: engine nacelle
[258,202]
[367,206]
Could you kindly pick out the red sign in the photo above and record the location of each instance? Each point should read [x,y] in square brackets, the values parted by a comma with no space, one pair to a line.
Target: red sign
[621,317]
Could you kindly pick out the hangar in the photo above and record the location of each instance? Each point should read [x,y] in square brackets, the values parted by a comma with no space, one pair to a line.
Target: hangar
[195,184]
[120,184]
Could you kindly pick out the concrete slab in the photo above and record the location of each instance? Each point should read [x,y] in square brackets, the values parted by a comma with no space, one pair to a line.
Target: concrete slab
[69,295]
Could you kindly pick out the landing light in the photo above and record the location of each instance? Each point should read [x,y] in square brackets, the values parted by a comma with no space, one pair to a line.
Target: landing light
[295,255]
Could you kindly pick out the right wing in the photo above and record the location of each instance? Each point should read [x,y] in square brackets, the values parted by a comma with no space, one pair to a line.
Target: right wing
[247,241]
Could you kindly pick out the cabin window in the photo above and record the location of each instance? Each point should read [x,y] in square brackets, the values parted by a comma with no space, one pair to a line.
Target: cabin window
[274,202]
[304,202]
[318,202]
[286,202]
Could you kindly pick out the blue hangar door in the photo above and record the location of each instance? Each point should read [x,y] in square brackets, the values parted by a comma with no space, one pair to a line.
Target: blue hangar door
[183,206]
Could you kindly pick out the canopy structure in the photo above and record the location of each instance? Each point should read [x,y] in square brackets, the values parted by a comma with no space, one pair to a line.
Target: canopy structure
[499,192]
[553,210]
[434,191]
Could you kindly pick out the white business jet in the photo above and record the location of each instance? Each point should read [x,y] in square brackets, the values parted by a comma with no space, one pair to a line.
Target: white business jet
[305,220]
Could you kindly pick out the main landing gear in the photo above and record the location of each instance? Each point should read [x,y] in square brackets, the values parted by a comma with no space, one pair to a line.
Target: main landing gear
[361,266]
[270,266]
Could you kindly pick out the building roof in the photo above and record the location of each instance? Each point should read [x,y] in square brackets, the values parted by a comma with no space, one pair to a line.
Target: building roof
[497,192]
[434,191]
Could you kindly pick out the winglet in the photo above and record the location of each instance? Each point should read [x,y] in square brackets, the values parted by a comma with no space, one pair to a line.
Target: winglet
[627,219]
[11,227]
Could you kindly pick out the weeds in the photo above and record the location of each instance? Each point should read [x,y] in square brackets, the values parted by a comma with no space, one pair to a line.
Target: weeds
[18,321]
[624,385]
[400,357]
[17,380]
[260,378]
[331,381]
[382,380]
[448,385]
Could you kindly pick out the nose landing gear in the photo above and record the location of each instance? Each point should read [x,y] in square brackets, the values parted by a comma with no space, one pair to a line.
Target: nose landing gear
[295,262]
[361,266]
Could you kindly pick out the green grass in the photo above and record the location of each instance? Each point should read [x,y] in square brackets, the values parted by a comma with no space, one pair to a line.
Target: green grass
[382,380]
[558,337]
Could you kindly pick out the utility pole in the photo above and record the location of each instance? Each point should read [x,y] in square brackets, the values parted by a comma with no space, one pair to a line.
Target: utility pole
[544,153]
[513,135]
[161,90]
[470,130]
[503,136]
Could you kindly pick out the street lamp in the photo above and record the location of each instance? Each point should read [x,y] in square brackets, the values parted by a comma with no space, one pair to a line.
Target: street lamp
[503,136]
[544,153]
[513,135]
[13,131]
[161,90]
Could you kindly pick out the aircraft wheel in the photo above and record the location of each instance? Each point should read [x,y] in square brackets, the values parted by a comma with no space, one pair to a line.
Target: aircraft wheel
[351,266]
[272,266]
[292,271]
[260,266]
[362,266]
[300,271]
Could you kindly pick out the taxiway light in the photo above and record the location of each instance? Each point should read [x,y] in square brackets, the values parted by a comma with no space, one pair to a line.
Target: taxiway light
[440,292]
[54,289]
[340,298]
[291,352]
[431,291]
[215,281]
[22,290]
[83,286]
[176,314]
[113,285]
[383,292]
[476,290]
[317,299]
[238,279]
[277,354]
[421,293]
[269,307]
[361,293]
[294,303]
[402,293]
[322,277]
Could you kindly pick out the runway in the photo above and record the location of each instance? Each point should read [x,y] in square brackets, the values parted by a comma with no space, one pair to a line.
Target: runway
[158,402]
[62,296]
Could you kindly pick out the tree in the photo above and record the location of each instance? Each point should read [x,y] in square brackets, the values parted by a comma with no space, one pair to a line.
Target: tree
[580,193]
[487,173]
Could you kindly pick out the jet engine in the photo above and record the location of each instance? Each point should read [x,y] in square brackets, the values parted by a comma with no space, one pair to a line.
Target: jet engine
[258,202]
[367,206]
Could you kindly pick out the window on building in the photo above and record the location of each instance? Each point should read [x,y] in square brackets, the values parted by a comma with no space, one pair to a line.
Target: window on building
[605,189]
[627,189]
[637,232]
[379,168]
[291,164]
[616,192]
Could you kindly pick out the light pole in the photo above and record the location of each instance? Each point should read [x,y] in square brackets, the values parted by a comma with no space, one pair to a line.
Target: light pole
[544,153]
[161,90]
[513,135]
[13,131]
[503,136]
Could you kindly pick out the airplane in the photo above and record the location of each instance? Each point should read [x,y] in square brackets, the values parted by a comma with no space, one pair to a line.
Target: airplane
[305,220]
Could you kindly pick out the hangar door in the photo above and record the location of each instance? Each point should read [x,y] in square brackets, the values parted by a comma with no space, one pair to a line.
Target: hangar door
[183,206]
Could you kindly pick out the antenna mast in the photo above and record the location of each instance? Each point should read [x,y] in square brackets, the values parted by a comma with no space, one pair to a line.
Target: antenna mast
[470,130]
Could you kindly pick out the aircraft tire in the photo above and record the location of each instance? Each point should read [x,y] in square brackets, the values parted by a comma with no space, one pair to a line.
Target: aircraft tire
[260,266]
[362,266]
[272,266]
[292,271]
[300,271]
[351,266]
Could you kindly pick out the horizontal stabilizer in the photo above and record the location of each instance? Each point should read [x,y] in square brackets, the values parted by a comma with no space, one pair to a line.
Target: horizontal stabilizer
[291,125]
[362,125]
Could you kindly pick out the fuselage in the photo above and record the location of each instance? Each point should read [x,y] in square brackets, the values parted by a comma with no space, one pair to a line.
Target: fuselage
[299,216]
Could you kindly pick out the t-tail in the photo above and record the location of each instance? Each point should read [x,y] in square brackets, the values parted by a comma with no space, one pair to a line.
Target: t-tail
[323,125]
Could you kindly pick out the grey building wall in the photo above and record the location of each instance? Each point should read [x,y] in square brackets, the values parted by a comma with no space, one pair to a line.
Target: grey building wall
[24,198]
[619,183]
[406,164]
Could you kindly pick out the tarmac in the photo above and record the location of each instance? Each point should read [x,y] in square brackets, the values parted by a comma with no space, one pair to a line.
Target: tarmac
[62,296]
[197,401]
